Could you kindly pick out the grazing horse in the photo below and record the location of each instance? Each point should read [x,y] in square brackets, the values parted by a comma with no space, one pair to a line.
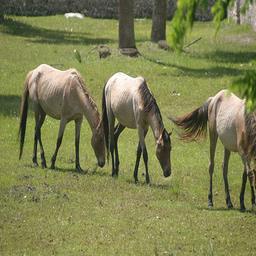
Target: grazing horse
[227,119]
[130,101]
[63,96]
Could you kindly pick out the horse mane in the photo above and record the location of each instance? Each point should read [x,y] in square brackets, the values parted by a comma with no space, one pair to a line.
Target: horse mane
[84,89]
[149,101]
[250,127]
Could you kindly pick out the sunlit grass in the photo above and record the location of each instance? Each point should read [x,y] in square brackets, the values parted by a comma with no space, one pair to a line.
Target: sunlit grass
[45,212]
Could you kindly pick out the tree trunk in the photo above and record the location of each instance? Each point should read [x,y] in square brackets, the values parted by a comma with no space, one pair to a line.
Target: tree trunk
[126,25]
[1,12]
[238,20]
[159,20]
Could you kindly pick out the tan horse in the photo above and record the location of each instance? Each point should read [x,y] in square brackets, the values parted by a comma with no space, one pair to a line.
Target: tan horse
[228,120]
[63,96]
[130,101]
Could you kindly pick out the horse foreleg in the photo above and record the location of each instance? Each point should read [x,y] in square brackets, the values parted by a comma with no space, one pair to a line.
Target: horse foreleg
[251,177]
[78,124]
[142,135]
[244,180]
[135,173]
[225,177]
[145,158]
[63,123]
[213,142]
[118,130]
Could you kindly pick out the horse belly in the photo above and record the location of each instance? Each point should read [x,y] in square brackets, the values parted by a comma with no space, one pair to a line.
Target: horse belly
[126,118]
[52,107]
[227,134]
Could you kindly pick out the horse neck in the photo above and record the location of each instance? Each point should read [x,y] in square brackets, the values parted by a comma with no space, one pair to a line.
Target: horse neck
[156,124]
[91,113]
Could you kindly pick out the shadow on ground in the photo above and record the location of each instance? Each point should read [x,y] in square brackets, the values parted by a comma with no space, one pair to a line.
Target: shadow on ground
[212,72]
[10,105]
[49,36]
[230,57]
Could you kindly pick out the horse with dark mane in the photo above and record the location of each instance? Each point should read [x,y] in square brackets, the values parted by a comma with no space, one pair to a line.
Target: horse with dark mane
[130,101]
[227,119]
[63,96]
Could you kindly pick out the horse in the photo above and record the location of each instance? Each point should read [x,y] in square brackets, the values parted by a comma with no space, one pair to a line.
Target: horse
[130,101]
[227,119]
[63,96]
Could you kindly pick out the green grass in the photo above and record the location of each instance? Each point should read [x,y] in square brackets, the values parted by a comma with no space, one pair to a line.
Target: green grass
[45,212]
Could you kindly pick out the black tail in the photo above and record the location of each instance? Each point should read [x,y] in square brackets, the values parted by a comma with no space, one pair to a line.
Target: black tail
[194,124]
[105,121]
[23,114]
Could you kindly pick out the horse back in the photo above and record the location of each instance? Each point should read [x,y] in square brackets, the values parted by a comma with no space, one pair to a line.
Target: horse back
[56,91]
[123,98]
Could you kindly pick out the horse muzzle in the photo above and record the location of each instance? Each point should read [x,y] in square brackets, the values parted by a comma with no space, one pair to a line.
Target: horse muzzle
[167,173]
[101,163]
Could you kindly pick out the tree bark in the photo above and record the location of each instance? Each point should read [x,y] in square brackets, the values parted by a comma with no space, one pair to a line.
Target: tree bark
[1,12]
[158,31]
[126,24]
[238,20]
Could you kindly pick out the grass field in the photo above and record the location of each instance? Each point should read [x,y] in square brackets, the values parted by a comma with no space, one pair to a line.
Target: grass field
[61,212]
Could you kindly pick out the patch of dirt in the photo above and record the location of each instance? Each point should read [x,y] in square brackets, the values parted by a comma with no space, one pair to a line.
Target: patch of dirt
[32,194]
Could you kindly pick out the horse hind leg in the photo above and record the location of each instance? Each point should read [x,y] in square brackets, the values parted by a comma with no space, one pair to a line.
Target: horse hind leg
[63,123]
[213,141]
[111,123]
[34,157]
[41,121]
[225,177]
[118,130]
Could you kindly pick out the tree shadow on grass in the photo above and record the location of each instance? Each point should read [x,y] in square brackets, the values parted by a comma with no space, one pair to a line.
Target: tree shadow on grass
[72,171]
[212,72]
[230,57]
[49,36]
[151,185]
[9,105]
[225,209]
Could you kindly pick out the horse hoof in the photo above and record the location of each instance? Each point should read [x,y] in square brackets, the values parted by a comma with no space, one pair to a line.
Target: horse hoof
[210,205]
[242,209]
[35,164]
[44,165]
[230,205]
[114,175]
[79,169]
[52,167]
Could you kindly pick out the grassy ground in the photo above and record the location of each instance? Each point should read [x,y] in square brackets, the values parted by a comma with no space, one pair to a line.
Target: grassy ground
[45,212]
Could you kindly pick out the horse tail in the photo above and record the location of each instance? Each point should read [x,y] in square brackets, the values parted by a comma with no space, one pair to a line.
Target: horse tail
[194,124]
[105,121]
[24,113]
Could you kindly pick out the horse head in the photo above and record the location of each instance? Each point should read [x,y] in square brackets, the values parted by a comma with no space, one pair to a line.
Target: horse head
[163,152]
